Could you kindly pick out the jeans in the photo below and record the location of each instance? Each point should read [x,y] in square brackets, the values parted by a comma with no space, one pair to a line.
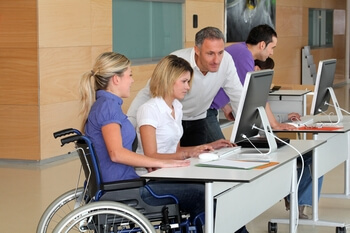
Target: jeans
[190,195]
[202,131]
[305,185]
[195,133]
[213,126]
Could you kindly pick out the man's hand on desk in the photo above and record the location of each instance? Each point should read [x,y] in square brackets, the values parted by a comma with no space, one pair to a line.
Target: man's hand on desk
[294,116]
[283,126]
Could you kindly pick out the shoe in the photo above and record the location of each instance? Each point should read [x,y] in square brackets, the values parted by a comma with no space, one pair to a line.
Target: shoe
[301,212]
[286,203]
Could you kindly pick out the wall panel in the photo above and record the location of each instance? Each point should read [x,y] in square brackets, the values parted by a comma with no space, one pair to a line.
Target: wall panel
[18,23]
[210,13]
[64,23]
[141,75]
[19,76]
[60,72]
[101,22]
[19,134]
[55,117]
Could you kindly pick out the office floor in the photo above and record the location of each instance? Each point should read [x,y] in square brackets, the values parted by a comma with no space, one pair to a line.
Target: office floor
[27,189]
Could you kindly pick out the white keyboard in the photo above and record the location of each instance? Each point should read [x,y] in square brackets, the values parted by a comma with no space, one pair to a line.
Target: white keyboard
[302,122]
[226,151]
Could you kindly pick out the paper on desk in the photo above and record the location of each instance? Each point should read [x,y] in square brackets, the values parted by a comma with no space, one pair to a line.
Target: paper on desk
[229,163]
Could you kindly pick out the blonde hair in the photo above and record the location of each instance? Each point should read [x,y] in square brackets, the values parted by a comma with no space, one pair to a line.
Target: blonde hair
[167,71]
[106,66]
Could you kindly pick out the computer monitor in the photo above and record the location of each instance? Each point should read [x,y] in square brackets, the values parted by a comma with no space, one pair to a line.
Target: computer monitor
[251,109]
[324,92]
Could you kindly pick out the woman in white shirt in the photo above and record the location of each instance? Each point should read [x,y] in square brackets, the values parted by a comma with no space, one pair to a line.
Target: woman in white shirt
[159,126]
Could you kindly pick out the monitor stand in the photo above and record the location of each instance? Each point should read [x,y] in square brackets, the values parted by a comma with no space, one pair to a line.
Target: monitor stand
[336,107]
[261,156]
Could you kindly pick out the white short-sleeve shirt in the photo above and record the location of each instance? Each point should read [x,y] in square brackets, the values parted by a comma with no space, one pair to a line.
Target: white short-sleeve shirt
[157,113]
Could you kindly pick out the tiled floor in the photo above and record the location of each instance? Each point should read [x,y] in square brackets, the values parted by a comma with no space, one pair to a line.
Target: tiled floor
[26,190]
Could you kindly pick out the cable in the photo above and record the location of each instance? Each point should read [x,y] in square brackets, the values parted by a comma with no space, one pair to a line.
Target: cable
[339,108]
[301,173]
[245,137]
[328,115]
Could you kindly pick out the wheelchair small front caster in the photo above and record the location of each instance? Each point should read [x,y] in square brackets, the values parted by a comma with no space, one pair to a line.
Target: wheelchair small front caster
[272,227]
[340,230]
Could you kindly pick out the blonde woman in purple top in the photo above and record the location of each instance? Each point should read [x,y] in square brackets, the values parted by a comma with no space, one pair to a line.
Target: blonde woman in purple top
[112,134]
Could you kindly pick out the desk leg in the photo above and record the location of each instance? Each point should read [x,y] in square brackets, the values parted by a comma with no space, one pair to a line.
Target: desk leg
[293,201]
[293,217]
[314,187]
[346,194]
[209,208]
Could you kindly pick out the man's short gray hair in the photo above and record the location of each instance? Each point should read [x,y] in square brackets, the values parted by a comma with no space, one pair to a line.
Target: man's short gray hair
[208,33]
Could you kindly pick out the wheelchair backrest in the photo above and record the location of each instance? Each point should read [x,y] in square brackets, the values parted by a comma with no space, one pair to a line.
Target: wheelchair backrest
[90,166]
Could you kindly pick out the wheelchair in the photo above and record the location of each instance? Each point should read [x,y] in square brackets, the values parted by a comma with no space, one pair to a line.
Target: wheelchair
[110,207]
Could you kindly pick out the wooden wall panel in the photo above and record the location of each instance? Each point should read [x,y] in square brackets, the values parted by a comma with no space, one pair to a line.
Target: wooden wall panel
[19,134]
[64,23]
[210,13]
[19,76]
[101,22]
[287,60]
[289,3]
[55,117]
[140,74]
[18,24]
[60,72]
[289,21]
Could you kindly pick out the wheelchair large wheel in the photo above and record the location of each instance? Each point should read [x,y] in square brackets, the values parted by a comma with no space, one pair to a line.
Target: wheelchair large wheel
[59,208]
[105,216]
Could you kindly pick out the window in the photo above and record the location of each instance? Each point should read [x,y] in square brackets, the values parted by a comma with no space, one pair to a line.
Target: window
[147,30]
[320,28]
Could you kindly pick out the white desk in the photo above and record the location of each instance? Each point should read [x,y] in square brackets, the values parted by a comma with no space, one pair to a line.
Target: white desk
[283,102]
[325,158]
[239,188]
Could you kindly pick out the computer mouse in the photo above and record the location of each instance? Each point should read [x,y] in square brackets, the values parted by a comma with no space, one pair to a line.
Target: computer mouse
[208,156]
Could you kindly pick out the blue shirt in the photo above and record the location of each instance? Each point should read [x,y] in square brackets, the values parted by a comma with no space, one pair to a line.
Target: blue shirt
[106,110]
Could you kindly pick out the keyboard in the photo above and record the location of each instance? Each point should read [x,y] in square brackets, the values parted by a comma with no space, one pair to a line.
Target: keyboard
[302,122]
[226,151]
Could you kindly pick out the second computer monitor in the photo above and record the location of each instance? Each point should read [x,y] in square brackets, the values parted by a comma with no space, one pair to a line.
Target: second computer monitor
[324,81]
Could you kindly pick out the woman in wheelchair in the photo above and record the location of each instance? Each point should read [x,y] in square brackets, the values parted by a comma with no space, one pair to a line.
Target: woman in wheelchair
[112,134]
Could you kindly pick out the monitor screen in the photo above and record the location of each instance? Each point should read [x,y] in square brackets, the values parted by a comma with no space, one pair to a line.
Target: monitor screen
[255,93]
[324,81]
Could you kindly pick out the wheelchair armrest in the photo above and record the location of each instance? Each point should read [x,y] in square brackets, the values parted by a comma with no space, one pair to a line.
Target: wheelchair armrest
[124,184]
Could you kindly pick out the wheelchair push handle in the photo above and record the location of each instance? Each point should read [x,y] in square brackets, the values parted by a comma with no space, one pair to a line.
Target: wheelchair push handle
[67,131]
[70,139]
